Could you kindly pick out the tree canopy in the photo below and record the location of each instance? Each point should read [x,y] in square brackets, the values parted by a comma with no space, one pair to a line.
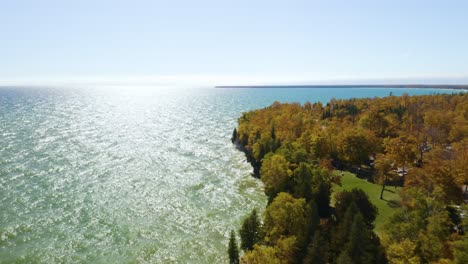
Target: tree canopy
[417,142]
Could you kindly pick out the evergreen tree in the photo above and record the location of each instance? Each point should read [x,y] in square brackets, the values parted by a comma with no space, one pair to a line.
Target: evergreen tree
[233,250]
[275,143]
[250,231]
[344,258]
[302,182]
[363,245]
[317,251]
[341,232]
[234,136]
[313,217]
[360,199]
[357,240]
[322,192]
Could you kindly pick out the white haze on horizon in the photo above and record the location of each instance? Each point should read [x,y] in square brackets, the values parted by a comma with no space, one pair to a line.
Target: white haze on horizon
[212,80]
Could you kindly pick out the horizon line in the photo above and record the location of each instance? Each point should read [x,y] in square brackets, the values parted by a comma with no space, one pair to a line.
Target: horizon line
[416,85]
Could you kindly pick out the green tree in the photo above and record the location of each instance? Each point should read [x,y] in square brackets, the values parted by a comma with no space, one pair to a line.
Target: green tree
[345,199]
[460,247]
[424,223]
[363,245]
[340,234]
[312,183]
[461,250]
[313,217]
[318,250]
[301,182]
[234,137]
[293,152]
[286,216]
[321,191]
[275,174]
[233,250]
[250,231]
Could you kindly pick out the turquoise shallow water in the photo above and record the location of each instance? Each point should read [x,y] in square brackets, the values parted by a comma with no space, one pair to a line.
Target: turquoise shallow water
[133,175]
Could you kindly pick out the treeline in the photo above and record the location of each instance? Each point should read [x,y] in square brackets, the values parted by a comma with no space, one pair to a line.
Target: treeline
[419,142]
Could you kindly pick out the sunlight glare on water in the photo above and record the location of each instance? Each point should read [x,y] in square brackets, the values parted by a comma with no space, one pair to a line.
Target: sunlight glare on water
[119,176]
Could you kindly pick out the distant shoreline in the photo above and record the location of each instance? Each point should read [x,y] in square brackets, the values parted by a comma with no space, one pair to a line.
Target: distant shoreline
[420,86]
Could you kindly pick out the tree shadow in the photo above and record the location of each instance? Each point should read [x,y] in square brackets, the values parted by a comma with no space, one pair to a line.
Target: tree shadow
[393,203]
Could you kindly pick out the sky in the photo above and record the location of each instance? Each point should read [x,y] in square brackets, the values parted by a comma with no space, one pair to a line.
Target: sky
[233,42]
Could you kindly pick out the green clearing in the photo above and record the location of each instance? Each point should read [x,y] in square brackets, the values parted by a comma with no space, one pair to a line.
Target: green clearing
[386,207]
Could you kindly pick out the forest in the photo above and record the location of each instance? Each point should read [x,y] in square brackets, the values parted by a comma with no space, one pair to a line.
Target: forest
[415,146]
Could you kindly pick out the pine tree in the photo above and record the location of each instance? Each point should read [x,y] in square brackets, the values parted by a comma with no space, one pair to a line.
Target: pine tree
[341,232]
[250,231]
[360,199]
[234,136]
[358,244]
[313,218]
[363,245]
[302,182]
[317,251]
[233,250]
[322,197]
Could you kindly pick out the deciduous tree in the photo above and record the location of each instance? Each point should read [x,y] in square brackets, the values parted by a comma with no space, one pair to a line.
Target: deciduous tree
[275,174]
[386,172]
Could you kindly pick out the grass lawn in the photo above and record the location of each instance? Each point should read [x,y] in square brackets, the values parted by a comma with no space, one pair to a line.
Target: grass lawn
[386,207]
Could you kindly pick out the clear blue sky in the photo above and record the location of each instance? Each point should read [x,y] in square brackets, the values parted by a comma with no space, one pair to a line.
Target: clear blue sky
[289,41]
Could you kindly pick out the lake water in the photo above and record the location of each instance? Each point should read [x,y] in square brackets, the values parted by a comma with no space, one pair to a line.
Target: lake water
[133,175]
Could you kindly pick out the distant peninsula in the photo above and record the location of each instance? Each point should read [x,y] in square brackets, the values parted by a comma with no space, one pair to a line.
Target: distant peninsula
[430,86]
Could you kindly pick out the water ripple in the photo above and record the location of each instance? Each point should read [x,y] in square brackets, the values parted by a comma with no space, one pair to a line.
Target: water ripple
[94,176]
